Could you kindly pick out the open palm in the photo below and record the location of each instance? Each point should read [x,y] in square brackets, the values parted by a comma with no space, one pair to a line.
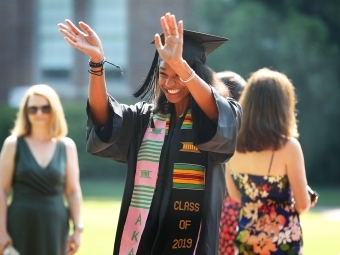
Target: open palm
[171,51]
[86,41]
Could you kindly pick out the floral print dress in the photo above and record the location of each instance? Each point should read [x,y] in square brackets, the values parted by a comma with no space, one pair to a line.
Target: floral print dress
[268,223]
[228,226]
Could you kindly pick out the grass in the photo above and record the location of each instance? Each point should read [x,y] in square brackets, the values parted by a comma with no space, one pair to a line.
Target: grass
[102,204]
[100,220]
[321,234]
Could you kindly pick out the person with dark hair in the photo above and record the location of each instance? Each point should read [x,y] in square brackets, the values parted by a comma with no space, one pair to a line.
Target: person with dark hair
[231,208]
[174,145]
[234,82]
[267,173]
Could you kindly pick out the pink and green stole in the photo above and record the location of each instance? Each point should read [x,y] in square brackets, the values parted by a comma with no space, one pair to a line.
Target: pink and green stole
[188,185]
[145,184]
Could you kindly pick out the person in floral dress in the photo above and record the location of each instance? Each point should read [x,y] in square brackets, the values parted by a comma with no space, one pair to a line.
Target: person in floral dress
[231,208]
[267,173]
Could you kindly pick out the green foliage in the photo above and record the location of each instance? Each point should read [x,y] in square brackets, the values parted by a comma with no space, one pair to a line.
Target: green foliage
[7,121]
[312,62]
[279,36]
[90,166]
[102,189]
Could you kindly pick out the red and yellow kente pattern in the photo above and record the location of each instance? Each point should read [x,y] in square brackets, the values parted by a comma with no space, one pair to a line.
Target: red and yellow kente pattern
[187,122]
[167,123]
[188,176]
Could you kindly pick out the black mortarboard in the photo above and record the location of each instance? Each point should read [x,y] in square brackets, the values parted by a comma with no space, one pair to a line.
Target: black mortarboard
[196,46]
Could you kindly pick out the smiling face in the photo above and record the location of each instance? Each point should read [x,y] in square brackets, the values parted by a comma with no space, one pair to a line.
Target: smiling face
[175,91]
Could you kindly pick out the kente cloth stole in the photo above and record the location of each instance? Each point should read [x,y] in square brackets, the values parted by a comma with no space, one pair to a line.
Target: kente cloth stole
[185,210]
[183,221]
[144,185]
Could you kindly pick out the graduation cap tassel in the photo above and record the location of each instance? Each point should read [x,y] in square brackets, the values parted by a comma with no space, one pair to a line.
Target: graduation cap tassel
[143,90]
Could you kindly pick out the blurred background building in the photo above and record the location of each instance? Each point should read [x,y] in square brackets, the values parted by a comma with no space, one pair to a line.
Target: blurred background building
[33,51]
[298,38]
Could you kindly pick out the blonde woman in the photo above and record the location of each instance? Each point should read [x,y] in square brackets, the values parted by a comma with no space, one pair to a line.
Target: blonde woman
[40,165]
[267,172]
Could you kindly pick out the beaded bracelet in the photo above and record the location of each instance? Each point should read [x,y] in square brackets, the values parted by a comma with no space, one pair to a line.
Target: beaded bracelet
[192,75]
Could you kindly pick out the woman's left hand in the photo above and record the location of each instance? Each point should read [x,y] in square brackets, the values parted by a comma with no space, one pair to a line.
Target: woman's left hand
[314,201]
[171,51]
[73,243]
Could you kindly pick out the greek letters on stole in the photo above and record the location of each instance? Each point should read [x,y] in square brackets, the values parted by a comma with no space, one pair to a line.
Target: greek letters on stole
[145,183]
[184,218]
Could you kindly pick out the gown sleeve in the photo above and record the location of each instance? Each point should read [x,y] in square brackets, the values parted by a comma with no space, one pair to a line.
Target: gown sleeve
[218,139]
[113,139]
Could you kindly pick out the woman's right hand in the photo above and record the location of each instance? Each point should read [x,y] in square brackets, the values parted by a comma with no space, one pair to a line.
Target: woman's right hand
[5,240]
[86,41]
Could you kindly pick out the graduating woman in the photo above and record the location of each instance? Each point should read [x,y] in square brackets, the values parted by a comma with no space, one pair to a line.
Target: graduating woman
[174,146]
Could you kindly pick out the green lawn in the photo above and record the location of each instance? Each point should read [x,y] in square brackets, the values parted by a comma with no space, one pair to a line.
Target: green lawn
[102,203]
[100,220]
[321,234]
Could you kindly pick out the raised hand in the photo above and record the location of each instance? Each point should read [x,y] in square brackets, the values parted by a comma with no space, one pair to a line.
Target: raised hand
[86,41]
[171,51]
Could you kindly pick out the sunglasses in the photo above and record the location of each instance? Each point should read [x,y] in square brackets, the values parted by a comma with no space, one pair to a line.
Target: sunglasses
[34,109]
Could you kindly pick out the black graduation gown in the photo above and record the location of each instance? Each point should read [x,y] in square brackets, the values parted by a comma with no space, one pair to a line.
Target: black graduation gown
[121,138]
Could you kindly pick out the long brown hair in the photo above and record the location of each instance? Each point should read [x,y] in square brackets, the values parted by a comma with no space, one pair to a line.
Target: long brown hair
[269,114]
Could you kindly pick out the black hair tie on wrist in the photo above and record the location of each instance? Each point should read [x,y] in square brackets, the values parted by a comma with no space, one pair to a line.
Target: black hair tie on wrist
[101,64]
